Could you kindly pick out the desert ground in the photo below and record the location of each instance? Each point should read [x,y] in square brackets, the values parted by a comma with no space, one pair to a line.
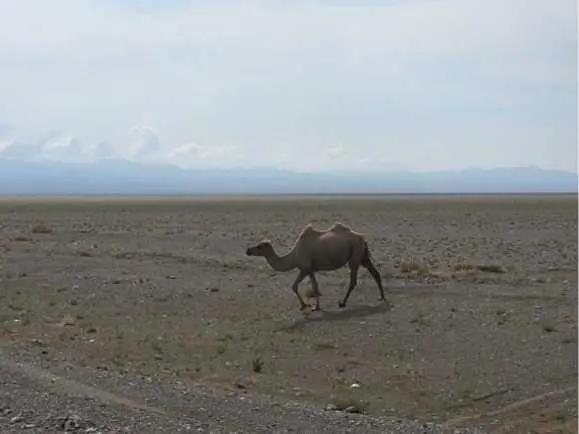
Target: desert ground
[479,327]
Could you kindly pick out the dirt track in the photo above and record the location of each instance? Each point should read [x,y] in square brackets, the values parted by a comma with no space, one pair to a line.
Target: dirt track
[163,289]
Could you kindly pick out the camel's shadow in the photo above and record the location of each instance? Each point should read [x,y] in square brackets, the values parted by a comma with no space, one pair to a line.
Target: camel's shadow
[339,315]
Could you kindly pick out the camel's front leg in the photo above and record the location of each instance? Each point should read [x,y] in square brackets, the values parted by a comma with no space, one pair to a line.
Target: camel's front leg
[353,281]
[316,291]
[295,286]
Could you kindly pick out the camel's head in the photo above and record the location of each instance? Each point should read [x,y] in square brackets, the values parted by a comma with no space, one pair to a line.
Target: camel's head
[261,249]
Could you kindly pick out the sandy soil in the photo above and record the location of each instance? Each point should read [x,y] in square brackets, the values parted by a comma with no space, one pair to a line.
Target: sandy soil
[480,327]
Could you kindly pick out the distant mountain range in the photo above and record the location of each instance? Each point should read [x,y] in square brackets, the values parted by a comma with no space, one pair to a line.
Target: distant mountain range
[123,177]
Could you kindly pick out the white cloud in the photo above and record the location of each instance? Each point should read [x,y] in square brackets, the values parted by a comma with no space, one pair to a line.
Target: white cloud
[419,84]
[143,143]
[54,146]
[102,150]
[196,155]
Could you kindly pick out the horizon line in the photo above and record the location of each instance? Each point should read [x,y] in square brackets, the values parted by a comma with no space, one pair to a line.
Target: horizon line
[268,195]
[284,169]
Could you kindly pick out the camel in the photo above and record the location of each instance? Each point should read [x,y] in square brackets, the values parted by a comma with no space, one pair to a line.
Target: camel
[322,250]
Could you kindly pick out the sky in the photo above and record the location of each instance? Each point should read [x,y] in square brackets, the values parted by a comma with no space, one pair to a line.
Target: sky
[417,85]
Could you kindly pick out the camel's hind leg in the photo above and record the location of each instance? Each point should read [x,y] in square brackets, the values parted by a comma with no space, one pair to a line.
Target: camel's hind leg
[367,263]
[295,287]
[353,281]
[316,291]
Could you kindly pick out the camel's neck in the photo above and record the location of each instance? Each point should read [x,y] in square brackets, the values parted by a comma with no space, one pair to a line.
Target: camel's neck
[281,263]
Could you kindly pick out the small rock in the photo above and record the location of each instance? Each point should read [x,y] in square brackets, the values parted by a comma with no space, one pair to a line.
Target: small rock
[170,276]
[331,407]
[355,386]
[352,409]
[67,321]
[16,419]
[70,425]
[73,302]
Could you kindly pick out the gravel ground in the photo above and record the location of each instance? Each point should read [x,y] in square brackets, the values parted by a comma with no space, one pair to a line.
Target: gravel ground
[33,399]
[149,299]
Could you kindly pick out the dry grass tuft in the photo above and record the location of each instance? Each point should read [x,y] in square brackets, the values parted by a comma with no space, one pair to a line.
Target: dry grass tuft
[324,345]
[415,269]
[463,267]
[257,365]
[41,228]
[348,403]
[491,268]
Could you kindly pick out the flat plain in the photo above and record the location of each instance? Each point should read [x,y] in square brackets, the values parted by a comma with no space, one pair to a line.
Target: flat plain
[479,327]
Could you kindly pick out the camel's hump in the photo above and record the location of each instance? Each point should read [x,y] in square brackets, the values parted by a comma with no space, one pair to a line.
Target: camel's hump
[310,231]
[340,227]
